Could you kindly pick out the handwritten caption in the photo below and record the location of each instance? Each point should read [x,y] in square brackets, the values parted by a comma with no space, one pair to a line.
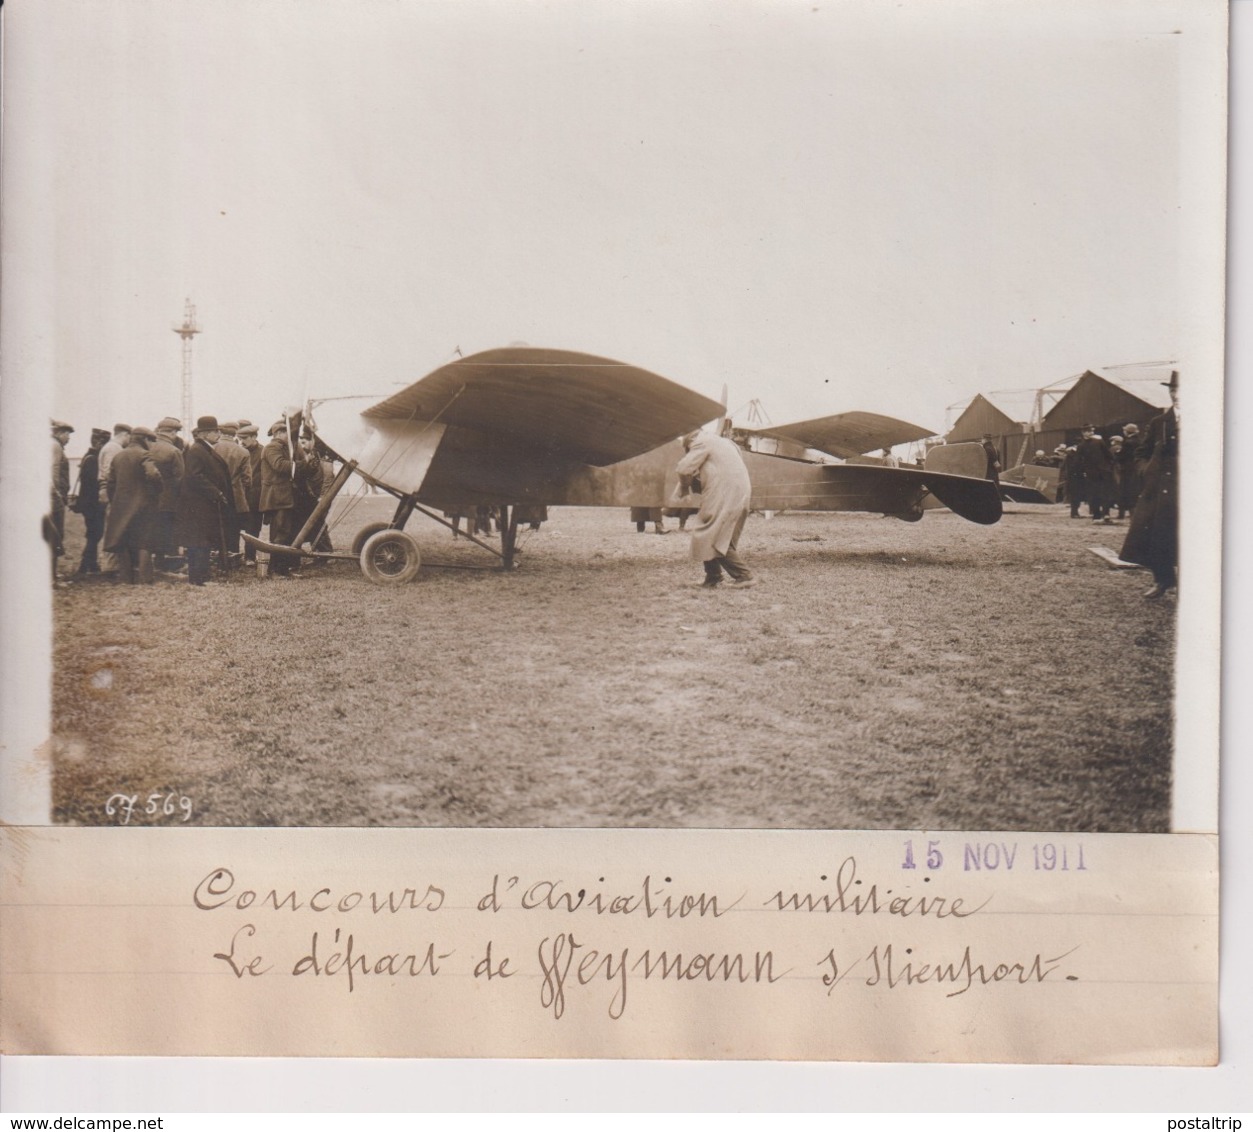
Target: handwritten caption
[349,936]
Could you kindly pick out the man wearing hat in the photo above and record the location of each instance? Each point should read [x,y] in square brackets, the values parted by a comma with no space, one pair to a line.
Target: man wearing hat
[1128,461]
[281,462]
[87,502]
[241,477]
[54,530]
[169,462]
[1098,474]
[134,486]
[206,509]
[993,458]
[250,521]
[725,492]
[121,438]
[1153,537]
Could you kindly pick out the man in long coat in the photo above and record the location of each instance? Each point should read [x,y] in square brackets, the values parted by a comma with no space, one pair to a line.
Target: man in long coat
[60,491]
[134,486]
[1129,479]
[281,463]
[1153,537]
[120,439]
[169,461]
[250,520]
[1070,475]
[87,502]
[1098,473]
[725,494]
[241,477]
[206,511]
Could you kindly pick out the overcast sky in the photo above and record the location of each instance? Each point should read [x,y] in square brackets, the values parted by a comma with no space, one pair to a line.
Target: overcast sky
[827,206]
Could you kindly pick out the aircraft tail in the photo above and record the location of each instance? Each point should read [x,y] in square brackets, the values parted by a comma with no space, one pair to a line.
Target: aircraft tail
[960,484]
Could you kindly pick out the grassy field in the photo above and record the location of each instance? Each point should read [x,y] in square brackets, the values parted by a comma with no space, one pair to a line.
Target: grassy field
[933,675]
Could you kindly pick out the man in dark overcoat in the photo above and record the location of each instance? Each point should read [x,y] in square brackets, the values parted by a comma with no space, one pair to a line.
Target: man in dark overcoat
[1071,475]
[205,508]
[992,457]
[87,502]
[1098,473]
[134,486]
[169,462]
[281,462]
[1153,538]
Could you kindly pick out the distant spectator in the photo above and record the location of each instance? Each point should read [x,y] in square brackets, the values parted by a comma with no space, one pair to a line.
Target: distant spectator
[1071,478]
[169,461]
[87,502]
[251,520]
[1130,479]
[60,496]
[642,516]
[1153,537]
[531,515]
[1098,474]
[993,471]
[240,466]
[121,438]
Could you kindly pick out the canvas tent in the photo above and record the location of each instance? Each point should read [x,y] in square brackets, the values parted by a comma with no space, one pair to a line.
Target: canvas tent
[1107,398]
[983,415]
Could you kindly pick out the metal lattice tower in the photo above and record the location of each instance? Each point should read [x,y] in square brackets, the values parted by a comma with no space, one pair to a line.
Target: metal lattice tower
[187,331]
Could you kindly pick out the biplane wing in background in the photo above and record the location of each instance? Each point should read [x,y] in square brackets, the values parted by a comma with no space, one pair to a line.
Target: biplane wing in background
[523,427]
[847,434]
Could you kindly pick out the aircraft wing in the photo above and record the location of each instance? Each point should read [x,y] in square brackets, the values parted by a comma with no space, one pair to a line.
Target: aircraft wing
[849,434]
[569,406]
[780,484]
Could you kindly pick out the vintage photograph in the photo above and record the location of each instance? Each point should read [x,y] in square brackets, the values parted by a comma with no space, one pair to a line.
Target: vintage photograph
[669,416]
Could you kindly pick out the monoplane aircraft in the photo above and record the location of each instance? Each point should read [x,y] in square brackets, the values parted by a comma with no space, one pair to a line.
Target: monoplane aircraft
[525,426]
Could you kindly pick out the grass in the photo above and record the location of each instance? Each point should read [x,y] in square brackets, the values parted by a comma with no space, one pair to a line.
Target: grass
[934,675]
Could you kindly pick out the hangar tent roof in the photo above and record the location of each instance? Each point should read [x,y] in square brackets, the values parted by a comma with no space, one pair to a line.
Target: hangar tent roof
[1117,393]
[981,416]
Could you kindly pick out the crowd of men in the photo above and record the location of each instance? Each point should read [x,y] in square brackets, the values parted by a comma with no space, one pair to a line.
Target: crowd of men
[152,503]
[1105,472]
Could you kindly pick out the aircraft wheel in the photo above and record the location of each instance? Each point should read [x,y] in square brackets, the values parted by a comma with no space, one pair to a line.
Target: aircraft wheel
[390,557]
[362,536]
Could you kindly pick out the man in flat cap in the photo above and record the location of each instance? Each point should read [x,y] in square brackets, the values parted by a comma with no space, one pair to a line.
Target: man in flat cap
[134,486]
[241,478]
[1153,537]
[250,521]
[121,438]
[282,461]
[206,508]
[54,529]
[87,502]
[169,462]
